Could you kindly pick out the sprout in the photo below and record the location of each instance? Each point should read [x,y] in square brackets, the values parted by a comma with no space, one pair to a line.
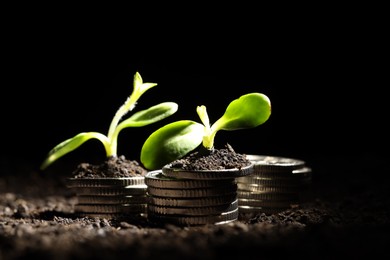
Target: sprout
[175,140]
[110,142]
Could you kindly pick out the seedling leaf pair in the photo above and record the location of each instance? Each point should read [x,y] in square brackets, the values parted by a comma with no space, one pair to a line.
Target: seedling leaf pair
[175,140]
[110,142]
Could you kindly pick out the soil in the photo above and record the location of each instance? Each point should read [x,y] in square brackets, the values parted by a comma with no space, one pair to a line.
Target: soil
[215,159]
[340,219]
[112,167]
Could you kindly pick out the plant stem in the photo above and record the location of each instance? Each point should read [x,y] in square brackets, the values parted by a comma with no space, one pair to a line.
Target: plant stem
[112,133]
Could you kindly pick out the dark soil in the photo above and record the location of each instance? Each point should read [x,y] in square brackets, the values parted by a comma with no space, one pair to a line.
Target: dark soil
[341,218]
[224,158]
[113,167]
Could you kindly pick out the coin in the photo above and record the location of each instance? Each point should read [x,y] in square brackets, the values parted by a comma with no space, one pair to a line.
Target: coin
[266,210]
[267,188]
[111,191]
[111,208]
[93,199]
[222,218]
[158,180]
[192,193]
[296,177]
[207,174]
[302,172]
[104,182]
[132,216]
[274,182]
[264,164]
[192,202]
[274,196]
[193,211]
[266,203]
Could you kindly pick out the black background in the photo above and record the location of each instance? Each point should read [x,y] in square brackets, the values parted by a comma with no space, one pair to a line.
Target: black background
[66,73]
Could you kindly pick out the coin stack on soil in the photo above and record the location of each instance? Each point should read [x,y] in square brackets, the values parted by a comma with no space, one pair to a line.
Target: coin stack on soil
[192,198]
[276,184]
[109,197]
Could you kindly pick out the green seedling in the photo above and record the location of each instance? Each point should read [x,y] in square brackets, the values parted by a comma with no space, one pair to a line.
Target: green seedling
[175,140]
[110,141]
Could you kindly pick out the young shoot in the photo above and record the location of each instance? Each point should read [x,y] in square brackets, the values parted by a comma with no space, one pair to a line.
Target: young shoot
[177,139]
[110,141]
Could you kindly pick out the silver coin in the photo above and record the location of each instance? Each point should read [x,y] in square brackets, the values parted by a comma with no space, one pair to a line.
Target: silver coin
[264,164]
[273,183]
[274,196]
[266,188]
[104,182]
[111,191]
[92,199]
[266,203]
[111,208]
[266,210]
[223,218]
[207,174]
[192,211]
[136,215]
[192,193]
[301,175]
[158,180]
[192,202]
[302,172]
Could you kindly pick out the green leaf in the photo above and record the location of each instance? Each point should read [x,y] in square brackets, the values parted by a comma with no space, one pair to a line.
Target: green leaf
[171,142]
[247,111]
[204,117]
[149,116]
[69,145]
[139,88]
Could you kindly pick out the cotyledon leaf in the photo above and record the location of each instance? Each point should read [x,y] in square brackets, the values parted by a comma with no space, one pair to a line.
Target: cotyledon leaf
[171,142]
[71,144]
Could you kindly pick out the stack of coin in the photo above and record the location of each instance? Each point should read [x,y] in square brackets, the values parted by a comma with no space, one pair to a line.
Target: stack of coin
[192,197]
[276,184]
[109,197]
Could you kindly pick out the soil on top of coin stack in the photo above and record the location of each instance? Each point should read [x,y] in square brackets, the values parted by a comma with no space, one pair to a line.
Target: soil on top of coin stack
[116,167]
[216,159]
[112,167]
